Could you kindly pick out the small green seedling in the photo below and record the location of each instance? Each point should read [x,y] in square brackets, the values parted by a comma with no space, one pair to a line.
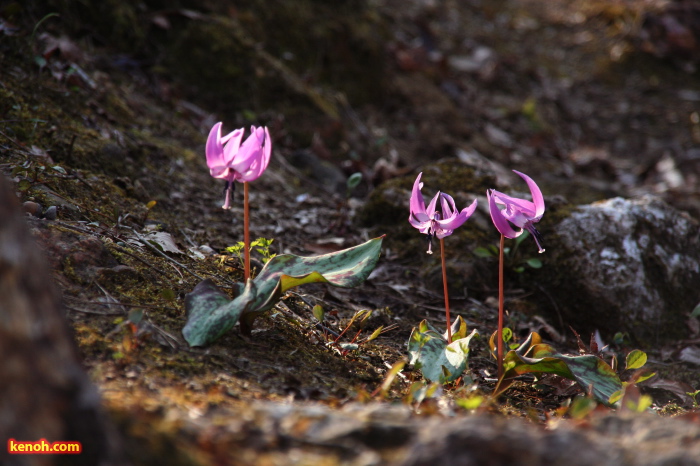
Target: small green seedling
[512,261]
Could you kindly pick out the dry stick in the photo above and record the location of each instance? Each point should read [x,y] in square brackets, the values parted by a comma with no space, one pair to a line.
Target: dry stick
[444,284]
[246,234]
[499,336]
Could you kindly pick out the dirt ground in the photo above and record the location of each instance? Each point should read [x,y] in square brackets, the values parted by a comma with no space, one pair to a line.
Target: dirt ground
[103,129]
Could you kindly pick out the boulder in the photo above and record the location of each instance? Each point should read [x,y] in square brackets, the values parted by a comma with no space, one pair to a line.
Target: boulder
[624,265]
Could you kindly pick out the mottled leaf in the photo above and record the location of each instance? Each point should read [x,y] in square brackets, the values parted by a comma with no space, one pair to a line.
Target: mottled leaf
[211,313]
[438,361]
[589,371]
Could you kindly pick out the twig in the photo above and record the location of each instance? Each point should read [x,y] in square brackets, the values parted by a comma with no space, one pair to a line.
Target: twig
[192,243]
[166,336]
[97,303]
[86,311]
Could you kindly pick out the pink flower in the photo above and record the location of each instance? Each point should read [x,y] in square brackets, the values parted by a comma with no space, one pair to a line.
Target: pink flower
[227,158]
[519,212]
[430,221]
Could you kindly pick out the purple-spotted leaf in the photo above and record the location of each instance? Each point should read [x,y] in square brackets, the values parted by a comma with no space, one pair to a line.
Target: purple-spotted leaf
[210,313]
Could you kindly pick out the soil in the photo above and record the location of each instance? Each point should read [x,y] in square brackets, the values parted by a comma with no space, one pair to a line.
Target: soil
[103,134]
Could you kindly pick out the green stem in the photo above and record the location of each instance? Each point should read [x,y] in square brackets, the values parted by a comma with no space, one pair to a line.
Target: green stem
[499,336]
[444,285]
[246,234]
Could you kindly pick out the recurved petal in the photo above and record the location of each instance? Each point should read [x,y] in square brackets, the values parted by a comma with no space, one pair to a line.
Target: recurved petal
[417,204]
[214,149]
[514,204]
[453,222]
[537,198]
[447,203]
[457,219]
[499,220]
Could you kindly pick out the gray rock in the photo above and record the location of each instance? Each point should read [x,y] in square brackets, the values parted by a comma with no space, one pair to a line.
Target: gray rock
[625,265]
[51,213]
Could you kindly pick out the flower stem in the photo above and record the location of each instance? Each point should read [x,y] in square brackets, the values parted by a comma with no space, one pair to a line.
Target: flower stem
[246,234]
[499,336]
[444,285]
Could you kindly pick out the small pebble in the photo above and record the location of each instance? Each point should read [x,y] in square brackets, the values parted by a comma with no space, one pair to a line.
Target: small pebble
[33,208]
[51,213]
[206,250]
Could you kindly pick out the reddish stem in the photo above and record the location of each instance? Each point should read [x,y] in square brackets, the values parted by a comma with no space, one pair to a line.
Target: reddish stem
[444,285]
[499,336]
[246,234]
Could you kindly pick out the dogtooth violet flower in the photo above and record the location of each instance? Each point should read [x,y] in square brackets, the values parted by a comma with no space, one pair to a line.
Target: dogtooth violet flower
[433,222]
[232,161]
[519,212]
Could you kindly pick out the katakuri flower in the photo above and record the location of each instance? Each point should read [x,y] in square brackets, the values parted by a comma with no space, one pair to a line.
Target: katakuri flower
[519,212]
[433,222]
[232,161]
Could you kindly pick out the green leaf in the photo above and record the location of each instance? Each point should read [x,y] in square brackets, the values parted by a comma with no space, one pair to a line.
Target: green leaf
[353,181]
[390,376]
[696,311]
[375,334]
[458,329]
[581,407]
[438,361]
[210,312]
[636,359]
[135,316]
[507,334]
[615,397]
[644,377]
[318,312]
[483,252]
[534,263]
[470,403]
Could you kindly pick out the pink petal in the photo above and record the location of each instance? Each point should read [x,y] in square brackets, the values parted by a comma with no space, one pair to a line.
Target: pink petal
[214,149]
[537,198]
[261,163]
[249,152]
[514,203]
[499,220]
[417,204]
[448,205]
[456,220]
[430,210]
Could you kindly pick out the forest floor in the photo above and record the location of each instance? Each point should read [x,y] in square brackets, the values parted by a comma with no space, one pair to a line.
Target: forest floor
[566,89]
